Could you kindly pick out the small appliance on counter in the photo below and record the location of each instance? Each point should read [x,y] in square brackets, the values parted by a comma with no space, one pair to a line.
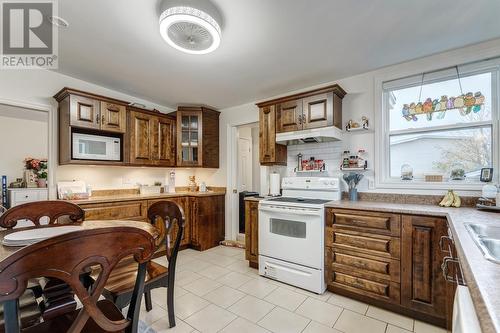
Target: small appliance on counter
[490,198]
[72,190]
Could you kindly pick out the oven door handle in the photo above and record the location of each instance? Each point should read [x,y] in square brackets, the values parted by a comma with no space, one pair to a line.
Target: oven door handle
[291,211]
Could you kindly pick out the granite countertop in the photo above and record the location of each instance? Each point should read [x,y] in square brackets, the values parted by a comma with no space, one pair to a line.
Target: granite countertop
[482,276]
[132,197]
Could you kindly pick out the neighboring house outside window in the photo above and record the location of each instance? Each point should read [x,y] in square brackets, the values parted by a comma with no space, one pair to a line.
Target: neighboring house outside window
[439,122]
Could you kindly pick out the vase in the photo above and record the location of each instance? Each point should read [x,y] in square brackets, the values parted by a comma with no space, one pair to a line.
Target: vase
[353,194]
[42,182]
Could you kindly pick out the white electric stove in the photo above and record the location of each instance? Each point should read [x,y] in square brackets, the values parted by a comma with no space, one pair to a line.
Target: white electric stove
[291,232]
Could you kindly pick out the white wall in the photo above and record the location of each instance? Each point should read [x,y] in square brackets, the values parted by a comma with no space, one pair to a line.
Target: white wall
[23,133]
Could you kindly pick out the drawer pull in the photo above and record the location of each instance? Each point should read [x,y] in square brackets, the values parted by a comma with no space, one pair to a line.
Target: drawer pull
[445,269]
[442,241]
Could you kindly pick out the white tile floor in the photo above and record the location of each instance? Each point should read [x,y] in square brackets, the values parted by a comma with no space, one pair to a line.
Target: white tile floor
[216,291]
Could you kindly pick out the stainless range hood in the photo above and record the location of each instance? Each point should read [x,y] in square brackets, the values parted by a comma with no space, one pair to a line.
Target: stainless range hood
[324,134]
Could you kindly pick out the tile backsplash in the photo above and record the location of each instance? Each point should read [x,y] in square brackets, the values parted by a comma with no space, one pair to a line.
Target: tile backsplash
[330,152]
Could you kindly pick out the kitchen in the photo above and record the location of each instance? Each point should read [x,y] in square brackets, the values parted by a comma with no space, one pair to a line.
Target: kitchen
[349,160]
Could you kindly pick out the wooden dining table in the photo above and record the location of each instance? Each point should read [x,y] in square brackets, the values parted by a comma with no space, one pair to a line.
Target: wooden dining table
[6,251]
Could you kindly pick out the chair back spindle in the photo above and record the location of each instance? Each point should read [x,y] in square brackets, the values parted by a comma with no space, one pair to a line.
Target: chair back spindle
[53,210]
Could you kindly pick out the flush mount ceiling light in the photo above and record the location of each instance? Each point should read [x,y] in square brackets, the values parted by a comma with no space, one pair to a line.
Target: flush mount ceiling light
[191,26]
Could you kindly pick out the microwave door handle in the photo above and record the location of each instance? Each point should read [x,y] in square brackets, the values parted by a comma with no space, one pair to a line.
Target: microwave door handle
[294,211]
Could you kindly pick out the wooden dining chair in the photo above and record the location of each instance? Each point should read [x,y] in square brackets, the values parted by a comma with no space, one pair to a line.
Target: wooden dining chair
[65,257]
[56,211]
[168,218]
[43,214]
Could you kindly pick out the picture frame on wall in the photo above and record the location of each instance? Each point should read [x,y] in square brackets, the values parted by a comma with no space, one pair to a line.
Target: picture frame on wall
[486,175]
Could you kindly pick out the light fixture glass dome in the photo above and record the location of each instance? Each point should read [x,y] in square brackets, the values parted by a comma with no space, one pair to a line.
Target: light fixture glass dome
[190,29]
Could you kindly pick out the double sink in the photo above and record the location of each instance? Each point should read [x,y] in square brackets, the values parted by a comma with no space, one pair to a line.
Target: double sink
[487,239]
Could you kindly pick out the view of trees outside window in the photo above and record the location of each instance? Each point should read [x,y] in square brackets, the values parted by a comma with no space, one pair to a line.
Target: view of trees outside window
[434,142]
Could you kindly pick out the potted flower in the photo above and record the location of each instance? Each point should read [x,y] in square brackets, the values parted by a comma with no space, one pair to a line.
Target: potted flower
[38,168]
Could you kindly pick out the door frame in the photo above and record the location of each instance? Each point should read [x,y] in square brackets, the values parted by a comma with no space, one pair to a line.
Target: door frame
[232,199]
[51,140]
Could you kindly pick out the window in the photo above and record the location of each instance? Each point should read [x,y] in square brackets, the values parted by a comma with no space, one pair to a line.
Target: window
[440,122]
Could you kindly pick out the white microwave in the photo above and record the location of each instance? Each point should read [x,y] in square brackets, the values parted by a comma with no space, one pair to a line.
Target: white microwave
[96,147]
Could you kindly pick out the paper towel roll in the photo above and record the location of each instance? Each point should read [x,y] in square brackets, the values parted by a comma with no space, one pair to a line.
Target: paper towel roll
[274,184]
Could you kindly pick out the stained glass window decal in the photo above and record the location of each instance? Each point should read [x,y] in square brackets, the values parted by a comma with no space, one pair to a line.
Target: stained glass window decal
[465,104]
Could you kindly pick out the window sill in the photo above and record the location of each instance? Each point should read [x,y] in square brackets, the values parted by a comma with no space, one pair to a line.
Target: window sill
[422,185]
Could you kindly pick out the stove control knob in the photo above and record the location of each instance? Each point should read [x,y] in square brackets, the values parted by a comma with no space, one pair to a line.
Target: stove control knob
[325,182]
[332,182]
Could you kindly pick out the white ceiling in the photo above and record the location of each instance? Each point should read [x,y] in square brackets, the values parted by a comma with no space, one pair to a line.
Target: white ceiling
[269,47]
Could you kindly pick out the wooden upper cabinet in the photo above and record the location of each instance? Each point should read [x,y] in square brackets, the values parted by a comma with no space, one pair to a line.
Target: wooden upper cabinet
[270,152]
[197,137]
[312,109]
[113,117]
[91,111]
[141,135]
[84,112]
[318,111]
[164,148]
[151,138]
[423,287]
[289,116]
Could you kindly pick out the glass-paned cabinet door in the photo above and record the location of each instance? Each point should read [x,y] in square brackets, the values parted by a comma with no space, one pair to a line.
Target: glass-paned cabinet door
[189,138]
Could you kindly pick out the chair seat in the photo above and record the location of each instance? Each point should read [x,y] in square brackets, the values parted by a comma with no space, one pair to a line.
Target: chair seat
[122,278]
[61,324]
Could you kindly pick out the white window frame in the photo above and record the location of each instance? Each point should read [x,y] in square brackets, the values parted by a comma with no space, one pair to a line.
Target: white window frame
[383,179]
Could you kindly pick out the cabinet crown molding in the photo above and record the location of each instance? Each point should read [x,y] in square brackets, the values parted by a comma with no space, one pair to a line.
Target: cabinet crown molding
[336,89]
[64,92]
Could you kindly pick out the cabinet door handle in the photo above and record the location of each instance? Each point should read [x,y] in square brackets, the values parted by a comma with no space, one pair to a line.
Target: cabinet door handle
[102,119]
[97,119]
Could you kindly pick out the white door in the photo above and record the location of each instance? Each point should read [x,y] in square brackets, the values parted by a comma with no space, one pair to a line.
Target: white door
[244,164]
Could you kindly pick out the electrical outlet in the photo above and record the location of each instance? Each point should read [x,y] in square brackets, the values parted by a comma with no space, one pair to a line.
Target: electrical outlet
[371,183]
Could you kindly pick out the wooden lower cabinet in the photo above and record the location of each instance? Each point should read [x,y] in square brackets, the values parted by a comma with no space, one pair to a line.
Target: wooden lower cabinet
[388,260]
[424,288]
[123,210]
[205,222]
[252,233]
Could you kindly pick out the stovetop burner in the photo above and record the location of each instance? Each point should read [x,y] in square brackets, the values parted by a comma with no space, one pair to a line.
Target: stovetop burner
[300,200]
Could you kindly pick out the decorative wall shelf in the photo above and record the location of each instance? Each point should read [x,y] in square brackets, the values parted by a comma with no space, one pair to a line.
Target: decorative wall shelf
[359,130]
[310,171]
[354,169]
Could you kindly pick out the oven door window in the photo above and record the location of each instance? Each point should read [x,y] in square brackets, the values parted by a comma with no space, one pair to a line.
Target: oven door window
[90,147]
[287,228]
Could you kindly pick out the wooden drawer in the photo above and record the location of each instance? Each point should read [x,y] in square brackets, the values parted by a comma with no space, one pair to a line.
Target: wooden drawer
[386,291]
[378,245]
[369,222]
[127,210]
[363,265]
